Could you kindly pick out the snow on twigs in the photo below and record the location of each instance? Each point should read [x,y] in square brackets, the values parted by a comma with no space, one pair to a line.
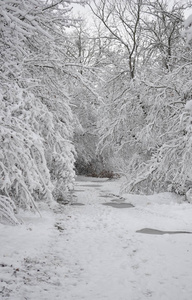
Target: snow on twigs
[36,152]
[7,214]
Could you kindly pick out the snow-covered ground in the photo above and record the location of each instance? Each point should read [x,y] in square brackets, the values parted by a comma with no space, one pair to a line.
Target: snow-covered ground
[94,252]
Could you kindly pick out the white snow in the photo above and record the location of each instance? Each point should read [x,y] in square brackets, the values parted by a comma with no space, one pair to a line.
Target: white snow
[93,252]
[188,21]
[188,105]
[188,28]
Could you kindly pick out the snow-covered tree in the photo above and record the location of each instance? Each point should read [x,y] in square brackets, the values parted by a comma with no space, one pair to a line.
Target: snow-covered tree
[162,26]
[37,155]
[165,136]
[143,121]
[122,20]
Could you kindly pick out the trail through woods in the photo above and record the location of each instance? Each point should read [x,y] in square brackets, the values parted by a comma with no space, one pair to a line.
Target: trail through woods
[93,251]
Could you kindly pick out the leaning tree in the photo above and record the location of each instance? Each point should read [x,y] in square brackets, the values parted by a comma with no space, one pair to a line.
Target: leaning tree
[37,155]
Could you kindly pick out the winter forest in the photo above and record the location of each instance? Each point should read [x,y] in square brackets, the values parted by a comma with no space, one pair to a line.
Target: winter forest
[104,96]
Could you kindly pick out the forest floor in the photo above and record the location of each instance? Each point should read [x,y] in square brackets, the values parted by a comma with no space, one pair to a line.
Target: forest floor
[100,252]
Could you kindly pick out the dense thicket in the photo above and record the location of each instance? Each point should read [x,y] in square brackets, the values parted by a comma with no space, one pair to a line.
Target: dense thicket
[143,123]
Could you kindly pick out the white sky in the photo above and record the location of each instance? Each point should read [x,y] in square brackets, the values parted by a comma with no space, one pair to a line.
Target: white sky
[85,10]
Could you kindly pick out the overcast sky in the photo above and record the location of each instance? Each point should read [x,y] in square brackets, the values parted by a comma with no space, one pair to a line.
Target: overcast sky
[85,10]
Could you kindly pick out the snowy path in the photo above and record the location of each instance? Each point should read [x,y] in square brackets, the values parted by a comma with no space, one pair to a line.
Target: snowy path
[93,252]
[117,263]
